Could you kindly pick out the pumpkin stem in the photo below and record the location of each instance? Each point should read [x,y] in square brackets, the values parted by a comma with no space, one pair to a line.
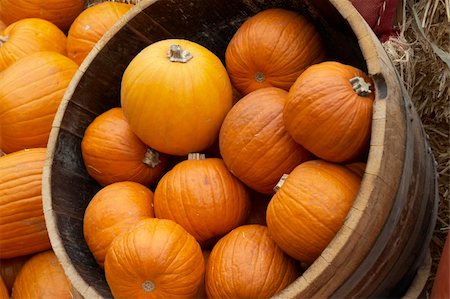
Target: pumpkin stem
[3,39]
[177,54]
[151,158]
[280,182]
[2,153]
[361,87]
[148,286]
[259,77]
[196,156]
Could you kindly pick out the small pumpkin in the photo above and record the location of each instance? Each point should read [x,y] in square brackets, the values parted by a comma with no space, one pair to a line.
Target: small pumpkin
[28,103]
[247,263]
[59,12]
[203,197]
[42,276]
[28,36]
[175,94]
[254,143]
[9,268]
[156,258]
[272,48]
[4,294]
[90,26]
[113,210]
[21,216]
[113,153]
[310,207]
[329,111]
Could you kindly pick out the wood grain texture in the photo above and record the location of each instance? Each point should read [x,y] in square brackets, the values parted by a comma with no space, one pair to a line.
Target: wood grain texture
[385,237]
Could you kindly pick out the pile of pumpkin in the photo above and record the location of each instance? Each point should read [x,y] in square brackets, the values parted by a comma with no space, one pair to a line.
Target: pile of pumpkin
[42,44]
[218,180]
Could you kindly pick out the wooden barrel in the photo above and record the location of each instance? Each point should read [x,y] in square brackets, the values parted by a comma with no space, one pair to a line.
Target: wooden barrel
[386,235]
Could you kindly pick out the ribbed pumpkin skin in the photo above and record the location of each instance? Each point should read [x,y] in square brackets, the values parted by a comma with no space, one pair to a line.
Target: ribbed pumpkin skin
[89,27]
[28,103]
[176,108]
[113,153]
[28,36]
[310,207]
[158,253]
[113,210]
[203,197]
[21,216]
[277,43]
[42,276]
[247,263]
[4,294]
[59,12]
[254,144]
[325,115]
[9,268]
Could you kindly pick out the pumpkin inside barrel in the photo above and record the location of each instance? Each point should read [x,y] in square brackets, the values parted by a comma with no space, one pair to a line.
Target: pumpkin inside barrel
[384,235]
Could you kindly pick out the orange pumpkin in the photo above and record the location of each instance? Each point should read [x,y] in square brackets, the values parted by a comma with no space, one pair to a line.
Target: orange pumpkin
[42,277]
[329,111]
[441,284]
[28,36]
[9,268]
[22,223]
[113,153]
[113,210]
[28,103]
[4,294]
[247,263]
[272,48]
[89,27]
[2,26]
[156,258]
[310,207]
[175,95]
[59,12]
[203,197]
[254,144]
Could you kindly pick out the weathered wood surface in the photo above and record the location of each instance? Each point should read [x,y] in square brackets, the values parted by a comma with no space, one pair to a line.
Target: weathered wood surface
[385,236]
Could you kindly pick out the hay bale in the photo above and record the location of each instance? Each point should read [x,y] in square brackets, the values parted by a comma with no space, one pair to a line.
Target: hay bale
[421,54]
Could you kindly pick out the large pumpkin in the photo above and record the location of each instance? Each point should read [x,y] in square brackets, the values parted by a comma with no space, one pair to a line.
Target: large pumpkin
[156,258]
[272,48]
[30,92]
[203,197]
[175,95]
[9,268]
[42,277]
[28,36]
[329,111]
[113,153]
[310,207]
[59,12]
[247,263]
[254,144]
[89,27]
[22,223]
[4,294]
[113,210]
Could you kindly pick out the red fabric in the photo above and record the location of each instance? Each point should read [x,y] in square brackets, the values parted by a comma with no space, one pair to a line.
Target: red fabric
[379,14]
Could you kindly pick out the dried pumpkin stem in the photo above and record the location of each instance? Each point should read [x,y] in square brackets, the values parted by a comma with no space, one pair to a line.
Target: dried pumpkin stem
[280,182]
[361,87]
[2,153]
[196,156]
[148,286]
[3,39]
[151,158]
[177,54]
